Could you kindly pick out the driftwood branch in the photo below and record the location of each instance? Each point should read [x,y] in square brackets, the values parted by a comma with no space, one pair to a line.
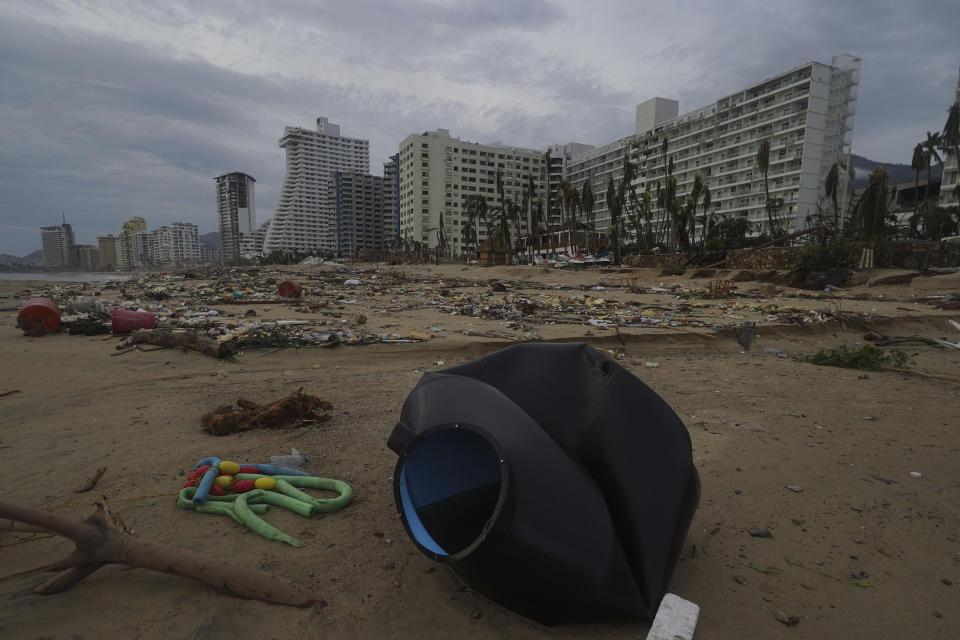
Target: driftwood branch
[91,481]
[103,539]
[180,338]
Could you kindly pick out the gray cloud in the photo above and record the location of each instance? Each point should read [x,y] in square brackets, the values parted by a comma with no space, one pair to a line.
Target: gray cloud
[132,108]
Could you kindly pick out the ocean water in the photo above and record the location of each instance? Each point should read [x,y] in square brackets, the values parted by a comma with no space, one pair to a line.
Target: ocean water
[64,276]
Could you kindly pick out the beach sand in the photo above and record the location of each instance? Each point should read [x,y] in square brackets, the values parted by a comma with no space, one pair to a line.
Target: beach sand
[758,422]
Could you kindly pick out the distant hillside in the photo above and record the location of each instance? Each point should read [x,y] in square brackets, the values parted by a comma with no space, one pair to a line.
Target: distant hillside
[31,258]
[896,173]
[211,239]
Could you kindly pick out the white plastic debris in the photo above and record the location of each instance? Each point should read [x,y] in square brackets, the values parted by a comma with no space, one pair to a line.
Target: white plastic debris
[916,474]
[676,619]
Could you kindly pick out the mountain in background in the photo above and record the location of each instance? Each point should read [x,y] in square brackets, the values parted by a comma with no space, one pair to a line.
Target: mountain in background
[211,239]
[31,258]
[896,173]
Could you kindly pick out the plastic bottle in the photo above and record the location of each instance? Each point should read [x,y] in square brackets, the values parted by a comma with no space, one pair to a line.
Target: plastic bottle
[295,459]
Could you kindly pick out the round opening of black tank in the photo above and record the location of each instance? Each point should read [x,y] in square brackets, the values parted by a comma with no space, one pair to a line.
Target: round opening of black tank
[448,489]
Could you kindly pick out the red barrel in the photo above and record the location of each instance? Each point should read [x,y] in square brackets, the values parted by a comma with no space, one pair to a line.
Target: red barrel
[38,316]
[289,289]
[122,321]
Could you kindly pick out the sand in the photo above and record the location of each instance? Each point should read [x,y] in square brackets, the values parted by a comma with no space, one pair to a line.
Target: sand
[849,439]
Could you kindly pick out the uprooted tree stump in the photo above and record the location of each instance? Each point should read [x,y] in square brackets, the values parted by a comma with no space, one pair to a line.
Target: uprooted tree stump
[103,539]
[290,411]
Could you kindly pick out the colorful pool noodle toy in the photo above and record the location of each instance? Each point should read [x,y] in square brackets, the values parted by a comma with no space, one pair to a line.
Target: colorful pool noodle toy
[203,489]
[245,508]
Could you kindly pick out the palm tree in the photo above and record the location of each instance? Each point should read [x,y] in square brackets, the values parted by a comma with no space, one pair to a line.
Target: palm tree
[476,206]
[763,163]
[695,192]
[587,202]
[706,207]
[673,207]
[648,215]
[832,182]
[613,205]
[951,135]
[871,210]
[930,146]
[568,203]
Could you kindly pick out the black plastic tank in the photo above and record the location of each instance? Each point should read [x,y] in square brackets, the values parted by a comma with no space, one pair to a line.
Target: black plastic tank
[552,479]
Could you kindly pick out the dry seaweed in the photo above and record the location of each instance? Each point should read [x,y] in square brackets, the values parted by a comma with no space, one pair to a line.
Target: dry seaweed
[288,412]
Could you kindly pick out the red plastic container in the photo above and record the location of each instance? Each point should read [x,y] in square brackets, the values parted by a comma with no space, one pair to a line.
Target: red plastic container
[122,321]
[289,289]
[38,316]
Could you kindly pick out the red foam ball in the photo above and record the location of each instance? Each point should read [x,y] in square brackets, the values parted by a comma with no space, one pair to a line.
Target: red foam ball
[189,484]
[192,476]
[216,490]
[242,486]
[202,470]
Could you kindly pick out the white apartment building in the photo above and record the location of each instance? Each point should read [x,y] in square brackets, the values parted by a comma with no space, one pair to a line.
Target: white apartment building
[236,212]
[176,243]
[251,244]
[437,174]
[305,219]
[950,185]
[805,113]
[561,155]
[59,247]
[125,253]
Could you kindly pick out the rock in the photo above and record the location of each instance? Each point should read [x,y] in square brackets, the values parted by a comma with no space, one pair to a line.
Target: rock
[476,614]
[783,618]
[739,579]
[390,565]
[795,488]
[429,569]
[947,582]
[860,575]
[760,532]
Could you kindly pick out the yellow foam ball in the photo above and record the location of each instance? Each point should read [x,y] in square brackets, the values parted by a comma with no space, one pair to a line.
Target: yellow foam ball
[268,484]
[229,468]
[224,482]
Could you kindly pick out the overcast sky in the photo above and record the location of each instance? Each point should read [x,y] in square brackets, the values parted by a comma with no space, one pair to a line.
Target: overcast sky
[110,109]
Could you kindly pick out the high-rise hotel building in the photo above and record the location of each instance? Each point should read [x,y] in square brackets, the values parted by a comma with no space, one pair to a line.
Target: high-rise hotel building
[236,212]
[305,219]
[805,113]
[950,185]
[438,172]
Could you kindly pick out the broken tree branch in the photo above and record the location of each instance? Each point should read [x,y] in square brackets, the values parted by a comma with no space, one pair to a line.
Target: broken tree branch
[91,481]
[180,338]
[103,539]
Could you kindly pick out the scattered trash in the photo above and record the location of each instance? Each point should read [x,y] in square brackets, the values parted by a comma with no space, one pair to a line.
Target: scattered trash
[244,491]
[288,412]
[795,488]
[91,482]
[462,502]
[351,282]
[293,459]
[123,321]
[745,335]
[760,532]
[289,289]
[916,474]
[783,618]
[651,365]
[38,317]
